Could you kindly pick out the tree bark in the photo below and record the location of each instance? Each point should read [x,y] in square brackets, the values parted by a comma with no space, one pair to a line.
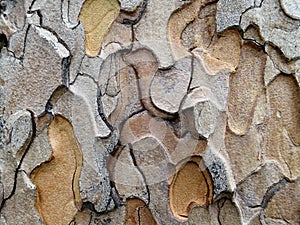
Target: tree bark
[142,112]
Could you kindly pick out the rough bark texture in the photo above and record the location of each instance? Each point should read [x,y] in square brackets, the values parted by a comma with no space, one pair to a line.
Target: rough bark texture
[145,112]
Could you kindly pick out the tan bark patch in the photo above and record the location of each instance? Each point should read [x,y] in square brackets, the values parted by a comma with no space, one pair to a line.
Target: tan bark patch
[144,125]
[137,213]
[58,196]
[283,207]
[227,48]
[178,21]
[223,52]
[282,136]
[97,17]
[284,97]
[191,186]
[245,87]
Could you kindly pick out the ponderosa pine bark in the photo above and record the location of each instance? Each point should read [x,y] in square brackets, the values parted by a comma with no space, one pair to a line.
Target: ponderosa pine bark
[145,112]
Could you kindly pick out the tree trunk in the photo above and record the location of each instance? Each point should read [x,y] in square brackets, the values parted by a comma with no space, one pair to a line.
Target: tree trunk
[149,112]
